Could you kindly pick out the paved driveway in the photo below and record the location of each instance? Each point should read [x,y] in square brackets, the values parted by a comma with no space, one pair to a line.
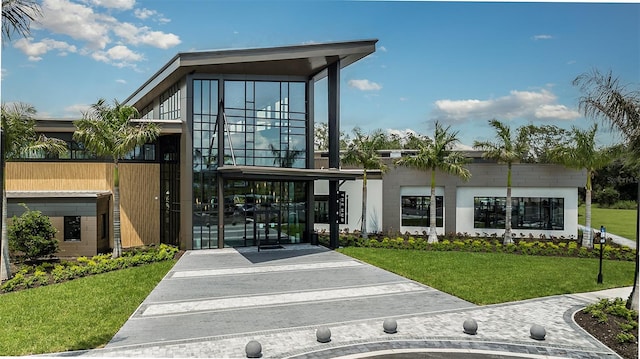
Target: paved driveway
[213,302]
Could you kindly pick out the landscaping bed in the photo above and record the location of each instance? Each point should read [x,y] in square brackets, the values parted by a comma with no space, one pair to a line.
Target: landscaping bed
[613,325]
[45,272]
[524,245]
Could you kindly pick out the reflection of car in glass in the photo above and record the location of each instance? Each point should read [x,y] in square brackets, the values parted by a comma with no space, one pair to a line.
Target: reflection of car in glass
[246,209]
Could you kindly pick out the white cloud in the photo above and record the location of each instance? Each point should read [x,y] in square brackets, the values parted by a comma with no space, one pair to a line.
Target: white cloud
[382,48]
[144,13]
[364,85]
[119,56]
[115,4]
[404,99]
[95,31]
[528,105]
[542,37]
[76,110]
[35,50]
[121,81]
[78,21]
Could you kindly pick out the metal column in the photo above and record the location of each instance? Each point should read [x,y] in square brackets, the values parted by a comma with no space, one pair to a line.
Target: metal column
[333,79]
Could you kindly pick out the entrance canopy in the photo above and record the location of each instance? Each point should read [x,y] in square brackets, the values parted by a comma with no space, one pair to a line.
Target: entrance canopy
[288,174]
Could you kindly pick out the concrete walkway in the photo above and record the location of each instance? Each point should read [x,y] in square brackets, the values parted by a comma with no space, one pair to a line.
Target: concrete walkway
[614,238]
[213,302]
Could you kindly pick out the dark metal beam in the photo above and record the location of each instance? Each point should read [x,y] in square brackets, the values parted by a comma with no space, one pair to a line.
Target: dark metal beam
[333,127]
[219,179]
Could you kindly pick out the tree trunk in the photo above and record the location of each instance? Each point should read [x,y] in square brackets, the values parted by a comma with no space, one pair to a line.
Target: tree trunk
[587,235]
[508,239]
[363,229]
[5,269]
[632,302]
[433,236]
[117,241]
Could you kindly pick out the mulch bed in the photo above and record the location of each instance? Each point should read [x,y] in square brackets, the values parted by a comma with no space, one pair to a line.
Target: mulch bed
[606,333]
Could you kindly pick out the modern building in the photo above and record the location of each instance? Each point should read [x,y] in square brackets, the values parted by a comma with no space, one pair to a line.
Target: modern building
[544,199]
[234,164]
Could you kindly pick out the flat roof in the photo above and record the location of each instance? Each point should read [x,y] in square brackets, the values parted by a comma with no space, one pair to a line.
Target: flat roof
[309,61]
[280,173]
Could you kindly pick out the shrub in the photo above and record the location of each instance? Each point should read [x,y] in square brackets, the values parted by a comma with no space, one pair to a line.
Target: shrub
[606,196]
[32,235]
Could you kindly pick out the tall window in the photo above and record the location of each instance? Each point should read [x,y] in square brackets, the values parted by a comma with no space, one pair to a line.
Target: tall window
[321,209]
[526,212]
[265,123]
[416,211]
[170,103]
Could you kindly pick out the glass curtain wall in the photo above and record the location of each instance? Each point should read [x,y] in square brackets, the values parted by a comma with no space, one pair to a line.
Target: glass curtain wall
[205,151]
[264,124]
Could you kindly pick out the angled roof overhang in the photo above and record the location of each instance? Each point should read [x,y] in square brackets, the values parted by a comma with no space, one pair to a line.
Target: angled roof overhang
[288,174]
[308,61]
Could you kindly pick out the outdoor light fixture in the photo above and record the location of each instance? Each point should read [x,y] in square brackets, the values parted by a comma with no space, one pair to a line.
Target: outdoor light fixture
[603,237]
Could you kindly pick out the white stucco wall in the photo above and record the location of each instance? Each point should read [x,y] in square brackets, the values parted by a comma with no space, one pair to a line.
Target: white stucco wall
[420,191]
[353,191]
[465,218]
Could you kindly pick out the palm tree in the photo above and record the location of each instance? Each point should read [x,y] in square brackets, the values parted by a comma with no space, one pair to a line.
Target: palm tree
[17,16]
[437,154]
[362,151]
[19,138]
[509,150]
[583,154]
[604,98]
[108,131]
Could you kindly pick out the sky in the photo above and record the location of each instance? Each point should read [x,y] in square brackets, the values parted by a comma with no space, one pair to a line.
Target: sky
[460,63]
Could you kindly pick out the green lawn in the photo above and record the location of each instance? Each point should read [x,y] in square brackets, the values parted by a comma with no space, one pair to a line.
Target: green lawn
[617,221]
[80,314]
[487,278]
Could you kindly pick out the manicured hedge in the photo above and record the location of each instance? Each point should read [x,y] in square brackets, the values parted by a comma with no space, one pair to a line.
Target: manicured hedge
[522,246]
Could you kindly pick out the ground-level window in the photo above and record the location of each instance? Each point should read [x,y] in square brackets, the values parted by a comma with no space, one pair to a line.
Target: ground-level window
[104,232]
[321,210]
[526,212]
[72,228]
[416,211]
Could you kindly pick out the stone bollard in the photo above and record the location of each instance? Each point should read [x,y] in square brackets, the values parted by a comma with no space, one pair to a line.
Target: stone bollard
[470,326]
[323,335]
[253,349]
[390,326]
[538,332]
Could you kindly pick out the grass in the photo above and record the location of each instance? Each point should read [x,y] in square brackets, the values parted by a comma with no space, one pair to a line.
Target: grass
[621,222]
[80,314]
[488,278]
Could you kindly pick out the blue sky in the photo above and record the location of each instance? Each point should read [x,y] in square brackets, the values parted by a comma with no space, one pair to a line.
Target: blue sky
[461,63]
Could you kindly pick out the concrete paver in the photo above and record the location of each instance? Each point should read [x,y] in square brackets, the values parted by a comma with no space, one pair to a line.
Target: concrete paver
[212,303]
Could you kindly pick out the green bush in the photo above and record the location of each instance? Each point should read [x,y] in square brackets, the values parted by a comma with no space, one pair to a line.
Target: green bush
[606,196]
[31,276]
[32,235]
[552,246]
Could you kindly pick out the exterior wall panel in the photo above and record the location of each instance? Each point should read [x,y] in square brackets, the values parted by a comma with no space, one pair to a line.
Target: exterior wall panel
[139,191]
[139,203]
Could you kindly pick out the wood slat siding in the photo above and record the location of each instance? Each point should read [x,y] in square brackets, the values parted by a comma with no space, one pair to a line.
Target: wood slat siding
[140,203]
[56,176]
[139,191]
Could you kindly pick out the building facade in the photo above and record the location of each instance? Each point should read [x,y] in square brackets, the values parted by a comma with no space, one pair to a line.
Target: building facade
[235,166]
[234,163]
[544,199]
